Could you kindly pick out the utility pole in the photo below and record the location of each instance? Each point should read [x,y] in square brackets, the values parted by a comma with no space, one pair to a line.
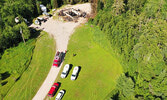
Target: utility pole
[21,32]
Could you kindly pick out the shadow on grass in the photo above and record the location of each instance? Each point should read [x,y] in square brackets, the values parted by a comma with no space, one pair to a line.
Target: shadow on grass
[3,83]
[5,75]
[71,65]
[62,57]
[34,33]
[17,79]
[78,72]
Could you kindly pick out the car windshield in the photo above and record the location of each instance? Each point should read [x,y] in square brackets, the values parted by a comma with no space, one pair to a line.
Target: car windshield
[55,62]
[61,92]
[63,73]
[73,75]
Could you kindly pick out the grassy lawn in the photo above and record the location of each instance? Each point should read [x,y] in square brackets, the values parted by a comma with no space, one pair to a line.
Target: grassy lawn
[99,68]
[27,86]
[13,63]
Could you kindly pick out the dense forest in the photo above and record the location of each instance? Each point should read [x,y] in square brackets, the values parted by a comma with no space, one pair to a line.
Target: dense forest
[11,39]
[137,30]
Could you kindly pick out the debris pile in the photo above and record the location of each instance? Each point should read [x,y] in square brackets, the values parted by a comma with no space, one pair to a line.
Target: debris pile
[72,14]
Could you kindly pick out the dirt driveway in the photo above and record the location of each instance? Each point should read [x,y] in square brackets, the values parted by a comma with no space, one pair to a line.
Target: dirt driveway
[61,31]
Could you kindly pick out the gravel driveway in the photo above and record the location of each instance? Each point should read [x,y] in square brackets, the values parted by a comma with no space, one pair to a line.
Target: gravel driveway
[61,31]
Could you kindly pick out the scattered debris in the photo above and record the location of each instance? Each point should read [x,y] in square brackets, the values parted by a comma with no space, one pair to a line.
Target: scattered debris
[72,14]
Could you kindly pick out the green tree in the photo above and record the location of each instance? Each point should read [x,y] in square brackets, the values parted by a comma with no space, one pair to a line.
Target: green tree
[38,7]
[100,5]
[125,87]
[118,7]
[137,33]
[54,4]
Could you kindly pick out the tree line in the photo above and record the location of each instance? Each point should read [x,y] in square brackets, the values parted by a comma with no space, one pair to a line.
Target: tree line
[138,34]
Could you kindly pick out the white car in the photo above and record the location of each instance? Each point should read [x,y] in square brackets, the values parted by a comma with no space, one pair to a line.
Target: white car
[74,73]
[60,95]
[65,71]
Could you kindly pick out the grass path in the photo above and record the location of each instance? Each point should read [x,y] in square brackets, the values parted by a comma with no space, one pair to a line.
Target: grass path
[33,77]
[99,68]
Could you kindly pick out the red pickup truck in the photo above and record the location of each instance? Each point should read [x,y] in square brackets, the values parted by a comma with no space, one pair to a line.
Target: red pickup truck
[53,89]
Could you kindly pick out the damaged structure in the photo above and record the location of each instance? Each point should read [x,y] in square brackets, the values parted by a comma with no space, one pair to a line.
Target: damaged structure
[72,14]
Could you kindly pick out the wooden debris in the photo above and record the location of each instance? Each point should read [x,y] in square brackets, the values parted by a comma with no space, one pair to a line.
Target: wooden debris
[72,14]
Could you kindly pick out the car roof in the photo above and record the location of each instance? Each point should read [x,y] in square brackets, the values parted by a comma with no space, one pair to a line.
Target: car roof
[58,95]
[52,89]
[75,70]
[66,66]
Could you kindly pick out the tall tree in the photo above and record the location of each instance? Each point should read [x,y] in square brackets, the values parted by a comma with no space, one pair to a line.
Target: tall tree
[54,3]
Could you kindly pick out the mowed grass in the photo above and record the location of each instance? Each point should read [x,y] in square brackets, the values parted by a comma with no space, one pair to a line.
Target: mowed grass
[31,80]
[99,69]
[13,63]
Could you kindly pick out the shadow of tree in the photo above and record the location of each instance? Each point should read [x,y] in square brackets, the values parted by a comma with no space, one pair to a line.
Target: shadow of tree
[5,75]
[3,83]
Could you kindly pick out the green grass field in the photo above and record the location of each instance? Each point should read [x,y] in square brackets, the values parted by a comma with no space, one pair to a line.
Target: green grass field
[99,69]
[27,86]
[13,63]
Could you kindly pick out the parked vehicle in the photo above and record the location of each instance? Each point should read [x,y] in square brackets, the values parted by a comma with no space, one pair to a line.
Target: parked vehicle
[53,89]
[57,59]
[75,73]
[60,95]
[65,71]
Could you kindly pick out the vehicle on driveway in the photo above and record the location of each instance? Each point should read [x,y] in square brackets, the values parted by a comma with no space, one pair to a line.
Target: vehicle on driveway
[60,95]
[65,71]
[75,73]
[58,59]
[53,89]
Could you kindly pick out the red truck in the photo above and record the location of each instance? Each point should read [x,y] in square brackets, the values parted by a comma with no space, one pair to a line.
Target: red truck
[53,89]
[57,59]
